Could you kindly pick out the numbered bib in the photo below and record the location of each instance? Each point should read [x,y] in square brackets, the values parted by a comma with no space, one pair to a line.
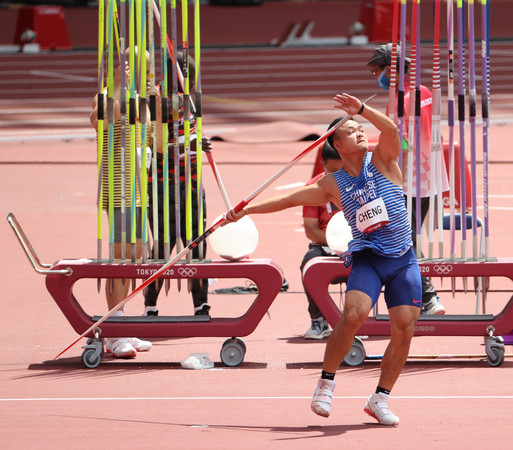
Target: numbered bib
[372,216]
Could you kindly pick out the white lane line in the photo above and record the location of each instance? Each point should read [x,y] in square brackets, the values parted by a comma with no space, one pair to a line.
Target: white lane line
[498,208]
[289,186]
[402,397]
[61,75]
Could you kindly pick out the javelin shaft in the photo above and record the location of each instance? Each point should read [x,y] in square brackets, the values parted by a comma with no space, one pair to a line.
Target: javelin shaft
[485,103]
[165,126]
[199,123]
[209,231]
[101,113]
[418,150]
[450,122]
[123,110]
[132,110]
[153,119]
[472,120]
[110,116]
[411,113]
[175,101]
[400,92]
[165,130]
[461,119]
[440,167]
[143,108]
[280,172]
[219,181]
[393,64]
[171,48]
[148,281]
[435,162]
[187,126]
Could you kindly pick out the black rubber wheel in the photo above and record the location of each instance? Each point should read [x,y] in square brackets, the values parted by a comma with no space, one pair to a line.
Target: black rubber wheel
[90,359]
[232,352]
[495,355]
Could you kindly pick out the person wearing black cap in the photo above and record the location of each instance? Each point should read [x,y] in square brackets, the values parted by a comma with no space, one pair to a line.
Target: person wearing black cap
[380,64]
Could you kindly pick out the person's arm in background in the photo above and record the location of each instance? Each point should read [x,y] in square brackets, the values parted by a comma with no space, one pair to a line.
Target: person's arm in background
[313,231]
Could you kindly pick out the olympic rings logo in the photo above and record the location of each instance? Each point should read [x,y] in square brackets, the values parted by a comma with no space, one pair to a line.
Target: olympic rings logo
[187,271]
[443,269]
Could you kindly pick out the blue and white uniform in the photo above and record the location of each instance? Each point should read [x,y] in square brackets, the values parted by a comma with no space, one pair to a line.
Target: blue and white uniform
[381,250]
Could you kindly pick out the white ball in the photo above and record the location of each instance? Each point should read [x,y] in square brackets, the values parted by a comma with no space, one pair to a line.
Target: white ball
[28,36]
[236,240]
[356,28]
[338,233]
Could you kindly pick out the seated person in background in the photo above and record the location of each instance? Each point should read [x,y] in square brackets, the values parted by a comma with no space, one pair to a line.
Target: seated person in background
[315,221]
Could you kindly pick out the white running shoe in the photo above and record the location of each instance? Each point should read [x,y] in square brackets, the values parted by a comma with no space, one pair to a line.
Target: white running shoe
[120,348]
[321,402]
[432,307]
[377,407]
[139,344]
[320,329]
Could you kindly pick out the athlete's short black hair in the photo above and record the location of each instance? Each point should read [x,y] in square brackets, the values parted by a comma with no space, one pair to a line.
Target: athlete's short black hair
[328,152]
[330,137]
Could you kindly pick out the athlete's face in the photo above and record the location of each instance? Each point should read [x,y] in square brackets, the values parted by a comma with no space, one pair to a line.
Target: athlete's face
[350,137]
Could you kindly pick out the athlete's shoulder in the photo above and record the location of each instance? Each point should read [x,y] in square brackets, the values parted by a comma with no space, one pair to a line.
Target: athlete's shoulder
[328,183]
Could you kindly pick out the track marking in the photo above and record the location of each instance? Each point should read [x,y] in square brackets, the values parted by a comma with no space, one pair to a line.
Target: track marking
[289,186]
[61,75]
[402,397]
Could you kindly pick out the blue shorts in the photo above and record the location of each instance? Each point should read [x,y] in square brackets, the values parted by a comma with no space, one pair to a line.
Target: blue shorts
[400,277]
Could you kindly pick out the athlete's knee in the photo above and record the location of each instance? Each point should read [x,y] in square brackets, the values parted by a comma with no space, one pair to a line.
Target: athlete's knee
[403,323]
[354,315]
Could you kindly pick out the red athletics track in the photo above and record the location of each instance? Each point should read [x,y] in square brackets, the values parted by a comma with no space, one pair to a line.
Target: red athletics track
[151,401]
[48,172]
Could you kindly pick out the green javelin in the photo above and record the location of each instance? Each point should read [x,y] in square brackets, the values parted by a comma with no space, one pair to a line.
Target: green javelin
[100,137]
[110,115]
[153,118]
[165,115]
[122,110]
[116,29]
[143,108]
[176,130]
[101,39]
[132,113]
[187,128]
[175,102]
[199,130]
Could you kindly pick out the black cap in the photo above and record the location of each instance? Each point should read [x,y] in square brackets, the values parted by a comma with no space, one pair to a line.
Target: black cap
[382,55]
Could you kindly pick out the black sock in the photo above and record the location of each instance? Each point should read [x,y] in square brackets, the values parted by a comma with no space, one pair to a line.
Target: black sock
[379,389]
[327,375]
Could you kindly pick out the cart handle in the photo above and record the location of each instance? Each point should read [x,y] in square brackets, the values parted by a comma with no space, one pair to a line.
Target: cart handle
[38,266]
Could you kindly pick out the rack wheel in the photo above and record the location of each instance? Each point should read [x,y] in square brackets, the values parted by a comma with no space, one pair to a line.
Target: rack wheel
[495,355]
[232,352]
[96,341]
[90,358]
[356,354]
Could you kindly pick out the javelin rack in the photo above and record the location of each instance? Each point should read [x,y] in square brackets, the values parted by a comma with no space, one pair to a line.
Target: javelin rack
[62,275]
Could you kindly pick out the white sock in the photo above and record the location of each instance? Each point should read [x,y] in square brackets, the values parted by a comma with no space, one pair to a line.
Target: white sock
[149,308]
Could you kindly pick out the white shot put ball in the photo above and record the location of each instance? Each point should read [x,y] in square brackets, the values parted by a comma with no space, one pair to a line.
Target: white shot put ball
[338,233]
[235,240]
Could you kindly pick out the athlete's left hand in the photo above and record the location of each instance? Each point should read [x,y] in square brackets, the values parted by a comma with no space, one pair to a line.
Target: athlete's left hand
[351,105]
